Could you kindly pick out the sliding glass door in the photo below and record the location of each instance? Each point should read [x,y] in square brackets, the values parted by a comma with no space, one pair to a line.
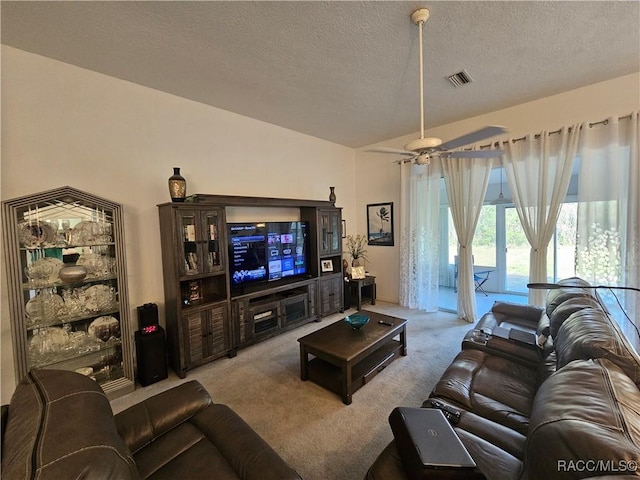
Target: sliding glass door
[560,253]
[516,253]
[501,246]
[562,248]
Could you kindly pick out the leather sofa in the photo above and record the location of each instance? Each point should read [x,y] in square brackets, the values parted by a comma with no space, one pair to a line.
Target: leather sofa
[60,425]
[564,405]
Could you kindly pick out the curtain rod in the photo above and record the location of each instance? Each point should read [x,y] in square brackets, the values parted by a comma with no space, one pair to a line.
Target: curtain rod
[537,135]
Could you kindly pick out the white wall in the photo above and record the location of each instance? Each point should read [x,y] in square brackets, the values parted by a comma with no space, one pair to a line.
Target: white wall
[63,125]
[378,177]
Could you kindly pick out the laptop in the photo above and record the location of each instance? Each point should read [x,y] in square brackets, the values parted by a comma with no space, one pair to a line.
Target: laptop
[427,441]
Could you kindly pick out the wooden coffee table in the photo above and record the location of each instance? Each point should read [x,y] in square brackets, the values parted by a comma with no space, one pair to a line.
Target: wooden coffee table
[344,359]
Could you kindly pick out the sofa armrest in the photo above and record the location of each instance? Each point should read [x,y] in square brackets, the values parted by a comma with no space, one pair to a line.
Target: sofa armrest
[389,466]
[249,455]
[140,424]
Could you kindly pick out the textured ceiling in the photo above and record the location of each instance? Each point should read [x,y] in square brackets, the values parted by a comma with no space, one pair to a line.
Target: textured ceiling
[342,71]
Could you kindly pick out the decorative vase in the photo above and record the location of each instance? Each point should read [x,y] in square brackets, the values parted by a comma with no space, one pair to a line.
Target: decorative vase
[72,273]
[332,196]
[177,186]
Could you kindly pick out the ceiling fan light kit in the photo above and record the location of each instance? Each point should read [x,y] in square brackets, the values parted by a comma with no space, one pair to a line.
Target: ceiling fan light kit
[423,159]
[423,149]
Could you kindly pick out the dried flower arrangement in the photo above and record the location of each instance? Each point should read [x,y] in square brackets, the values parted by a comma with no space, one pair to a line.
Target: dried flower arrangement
[356,246]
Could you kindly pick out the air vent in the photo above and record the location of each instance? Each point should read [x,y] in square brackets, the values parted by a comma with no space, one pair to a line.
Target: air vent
[460,78]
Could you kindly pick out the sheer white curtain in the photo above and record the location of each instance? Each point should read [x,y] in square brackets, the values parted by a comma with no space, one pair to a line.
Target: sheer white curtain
[538,170]
[608,243]
[466,180]
[419,237]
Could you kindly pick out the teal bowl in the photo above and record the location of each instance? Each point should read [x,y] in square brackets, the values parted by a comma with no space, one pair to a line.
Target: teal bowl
[357,320]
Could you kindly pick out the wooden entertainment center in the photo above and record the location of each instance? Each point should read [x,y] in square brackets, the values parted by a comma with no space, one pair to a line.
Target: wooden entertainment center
[206,318]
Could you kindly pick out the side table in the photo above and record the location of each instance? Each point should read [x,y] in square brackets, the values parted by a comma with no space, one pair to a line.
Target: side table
[357,284]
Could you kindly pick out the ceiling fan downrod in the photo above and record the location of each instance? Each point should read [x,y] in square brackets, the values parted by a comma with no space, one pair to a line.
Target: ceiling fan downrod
[419,17]
[422,150]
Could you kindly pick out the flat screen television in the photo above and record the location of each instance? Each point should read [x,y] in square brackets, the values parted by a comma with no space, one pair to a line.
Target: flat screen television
[267,251]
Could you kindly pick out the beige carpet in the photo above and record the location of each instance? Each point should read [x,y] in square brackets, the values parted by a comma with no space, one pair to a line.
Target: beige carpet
[310,427]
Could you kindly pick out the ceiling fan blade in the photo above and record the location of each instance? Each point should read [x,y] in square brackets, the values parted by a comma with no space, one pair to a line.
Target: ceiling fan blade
[394,151]
[475,154]
[473,137]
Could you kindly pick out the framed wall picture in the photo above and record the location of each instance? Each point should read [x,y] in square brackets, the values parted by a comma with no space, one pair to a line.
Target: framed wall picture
[380,224]
[326,265]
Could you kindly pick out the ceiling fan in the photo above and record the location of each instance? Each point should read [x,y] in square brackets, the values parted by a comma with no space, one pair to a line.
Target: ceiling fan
[424,149]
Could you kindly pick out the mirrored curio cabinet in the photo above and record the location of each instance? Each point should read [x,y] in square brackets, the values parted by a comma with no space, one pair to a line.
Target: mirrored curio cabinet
[66,273]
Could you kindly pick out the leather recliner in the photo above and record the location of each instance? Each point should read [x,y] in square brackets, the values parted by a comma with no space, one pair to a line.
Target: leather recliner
[59,424]
[573,414]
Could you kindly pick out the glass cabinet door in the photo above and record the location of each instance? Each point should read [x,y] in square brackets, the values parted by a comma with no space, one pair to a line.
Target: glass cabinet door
[325,236]
[330,239]
[335,233]
[191,263]
[211,228]
[200,246]
[67,270]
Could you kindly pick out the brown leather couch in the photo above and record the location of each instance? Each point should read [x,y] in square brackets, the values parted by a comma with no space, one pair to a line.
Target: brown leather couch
[59,425]
[567,406]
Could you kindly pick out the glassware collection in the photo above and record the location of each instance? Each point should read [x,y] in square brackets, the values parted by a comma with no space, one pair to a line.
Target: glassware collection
[70,288]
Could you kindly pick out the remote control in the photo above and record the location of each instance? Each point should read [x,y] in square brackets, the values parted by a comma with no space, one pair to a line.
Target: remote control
[450,413]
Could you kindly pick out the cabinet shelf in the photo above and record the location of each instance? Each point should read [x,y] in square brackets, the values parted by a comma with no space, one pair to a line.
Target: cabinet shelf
[263,314]
[199,276]
[62,359]
[61,284]
[60,246]
[63,320]
[200,304]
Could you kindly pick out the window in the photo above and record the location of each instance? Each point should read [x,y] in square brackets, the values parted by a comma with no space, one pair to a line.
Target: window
[562,247]
[484,241]
[500,243]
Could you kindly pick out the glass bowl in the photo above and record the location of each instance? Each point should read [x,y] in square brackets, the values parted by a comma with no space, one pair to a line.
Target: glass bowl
[357,320]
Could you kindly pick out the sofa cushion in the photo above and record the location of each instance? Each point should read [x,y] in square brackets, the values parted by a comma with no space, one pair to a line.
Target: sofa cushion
[60,425]
[573,287]
[141,423]
[490,386]
[510,315]
[183,449]
[591,333]
[215,439]
[566,309]
[585,416]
